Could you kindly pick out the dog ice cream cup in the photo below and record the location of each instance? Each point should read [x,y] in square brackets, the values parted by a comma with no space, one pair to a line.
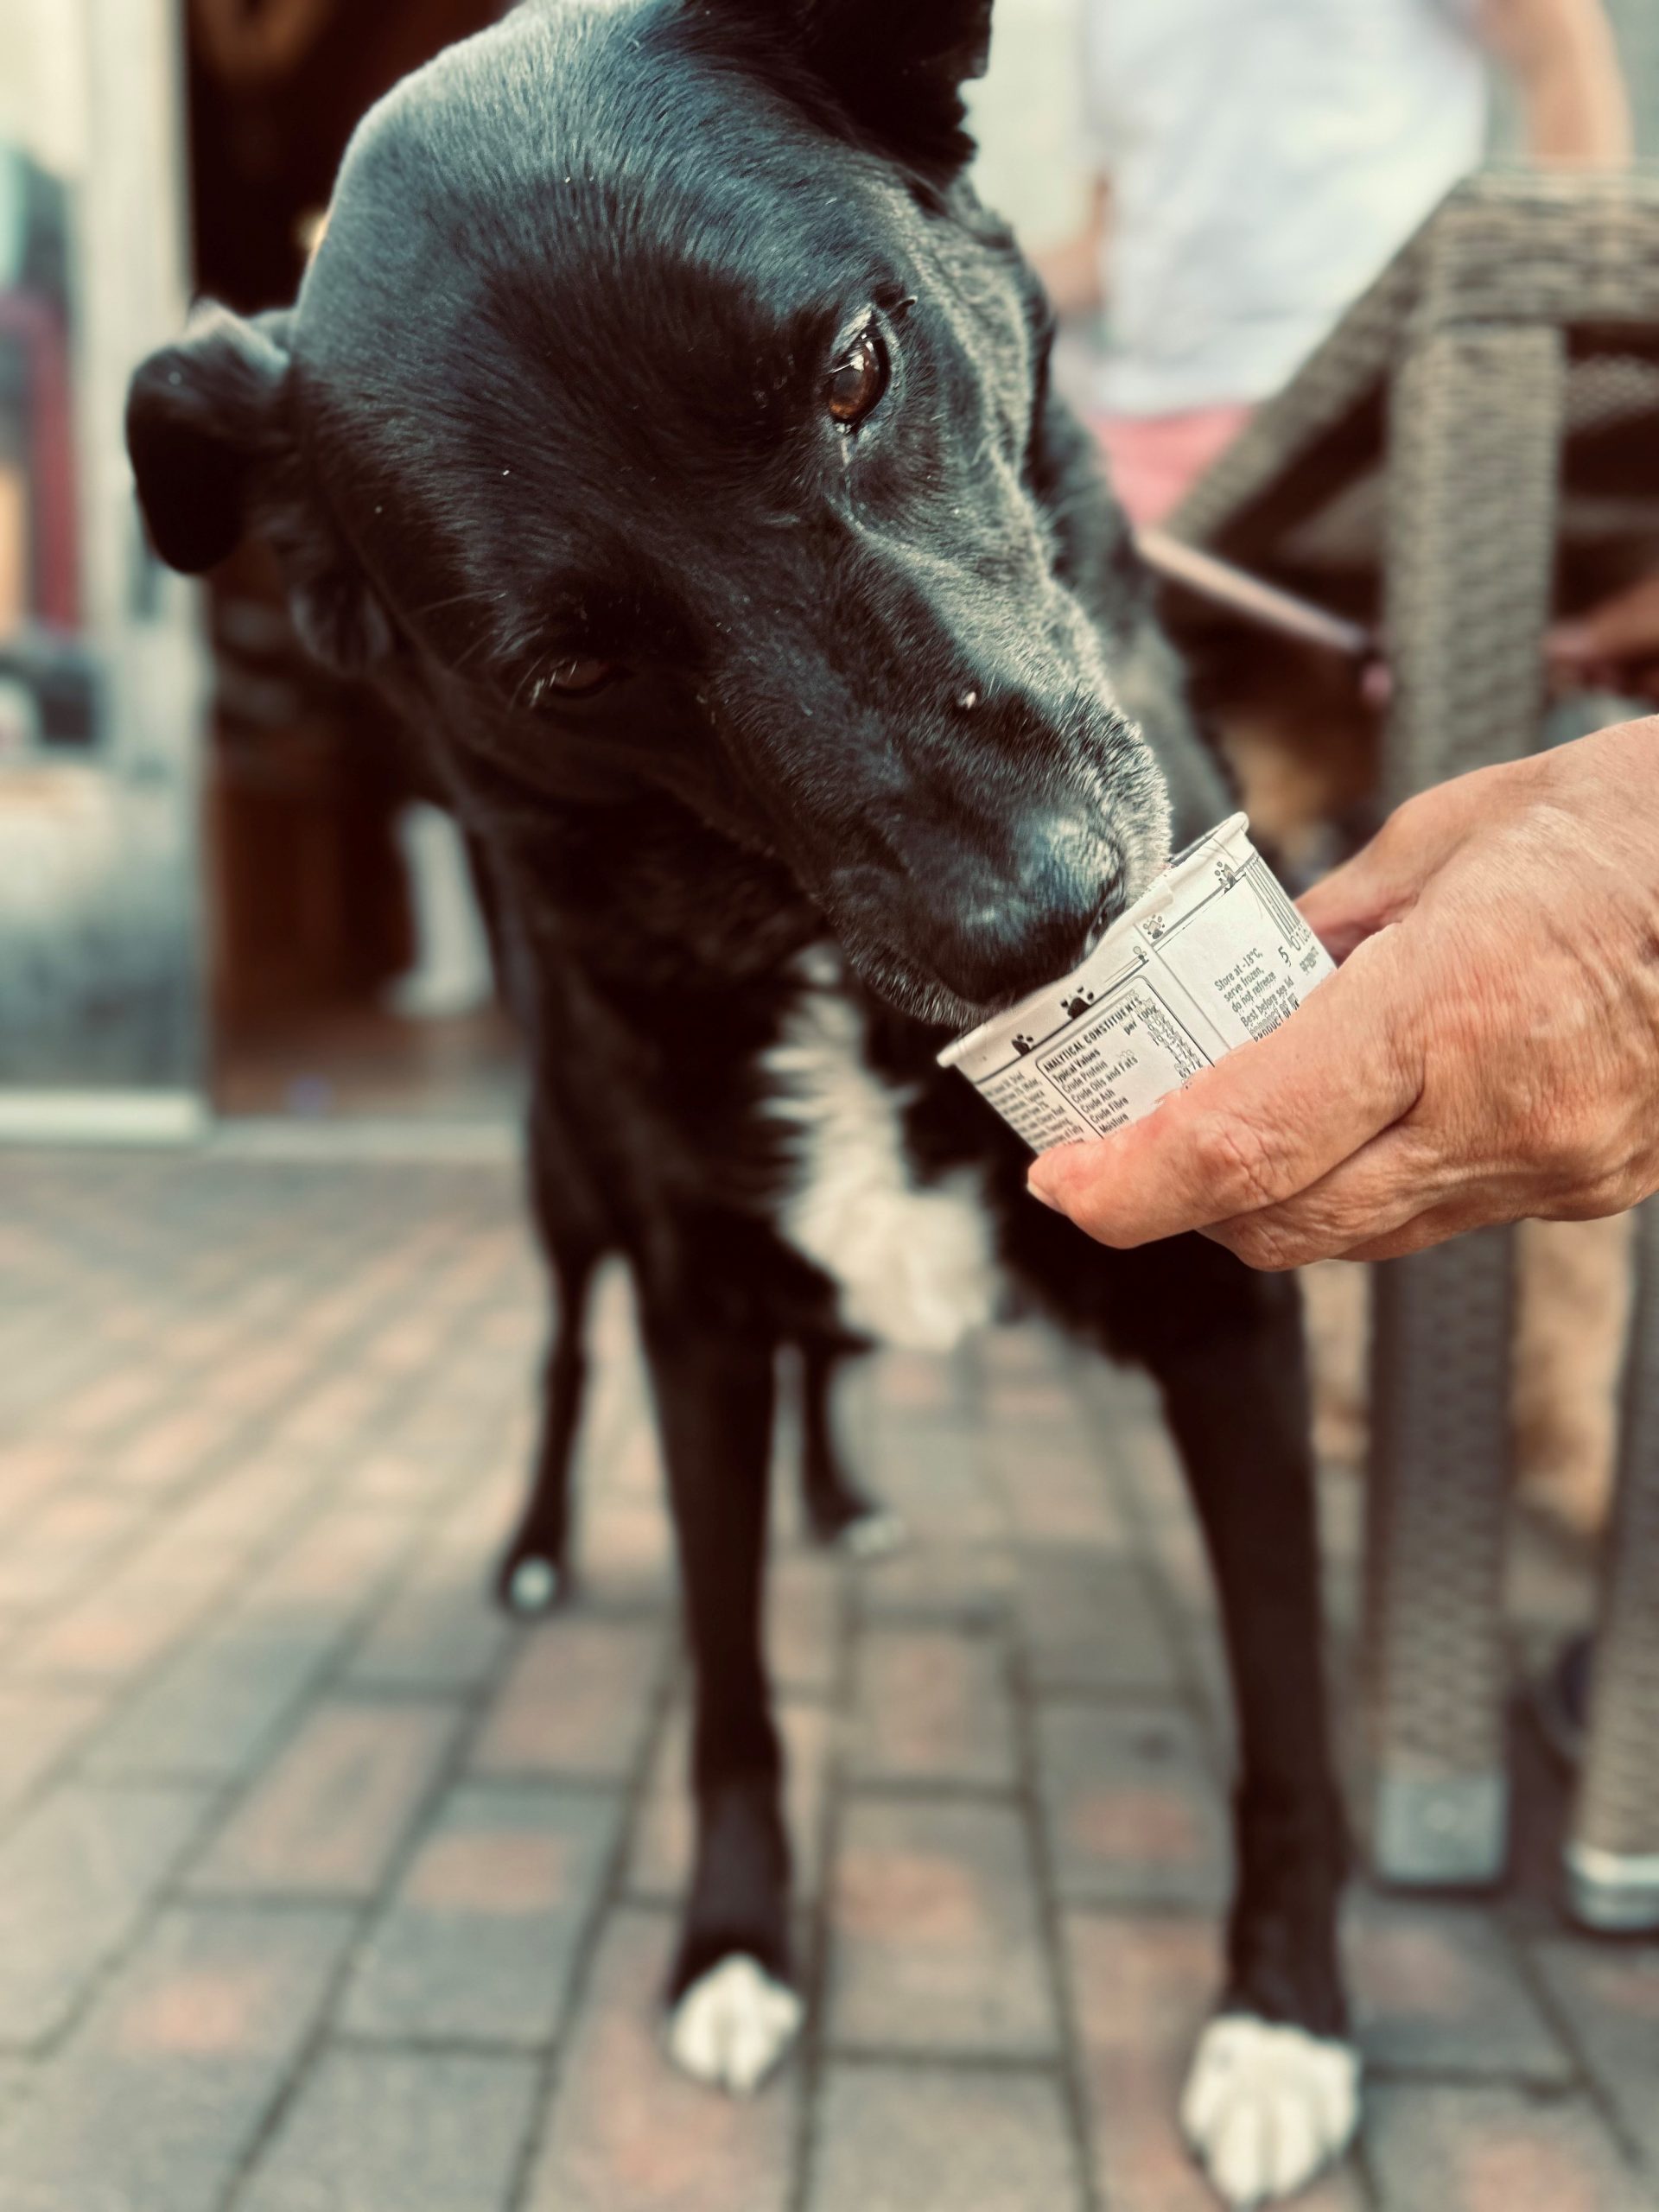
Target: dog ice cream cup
[1212,955]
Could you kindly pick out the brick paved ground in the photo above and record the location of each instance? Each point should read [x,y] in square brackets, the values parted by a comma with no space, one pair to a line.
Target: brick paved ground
[323,1890]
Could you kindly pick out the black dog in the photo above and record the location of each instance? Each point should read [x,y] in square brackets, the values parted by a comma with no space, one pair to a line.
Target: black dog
[666,427]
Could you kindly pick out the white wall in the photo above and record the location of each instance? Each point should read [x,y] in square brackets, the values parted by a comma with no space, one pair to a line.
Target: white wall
[42,82]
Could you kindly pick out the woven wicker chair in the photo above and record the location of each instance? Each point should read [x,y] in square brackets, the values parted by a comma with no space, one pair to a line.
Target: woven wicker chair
[1475,446]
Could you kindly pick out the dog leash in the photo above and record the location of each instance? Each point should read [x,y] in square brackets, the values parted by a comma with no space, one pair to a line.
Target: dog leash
[1246,595]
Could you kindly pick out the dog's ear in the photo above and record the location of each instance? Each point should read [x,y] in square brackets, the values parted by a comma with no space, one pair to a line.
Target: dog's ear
[215,454]
[895,67]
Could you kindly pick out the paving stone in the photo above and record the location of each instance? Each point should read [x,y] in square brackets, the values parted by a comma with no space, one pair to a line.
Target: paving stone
[1056,1493]
[1134,1813]
[1050,1466]
[172,1448]
[76,1877]
[1437,1989]
[62,1546]
[628,2133]
[1141,1990]
[38,1727]
[18,2080]
[245,1505]
[118,1396]
[805,1593]
[930,1471]
[1610,1993]
[442,1630]
[31,1469]
[134,1615]
[1495,2149]
[337,1560]
[1089,1624]
[326,1817]
[659,1865]
[335,1415]
[625,1551]
[931,1704]
[481,1938]
[915,1382]
[399,2131]
[936,1936]
[215,1707]
[214,1712]
[930,2140]
[941,1582]
[578,1701]
[163,2090]
[916,1437]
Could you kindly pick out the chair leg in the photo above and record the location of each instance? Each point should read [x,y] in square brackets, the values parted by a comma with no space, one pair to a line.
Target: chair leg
[1438,1496]
[1612,1853]
[1474,448]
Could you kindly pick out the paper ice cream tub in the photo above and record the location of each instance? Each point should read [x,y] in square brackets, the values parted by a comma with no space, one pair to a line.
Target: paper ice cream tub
[1213,955]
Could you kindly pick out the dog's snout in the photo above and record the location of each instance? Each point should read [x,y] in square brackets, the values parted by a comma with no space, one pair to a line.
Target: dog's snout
[1021,938]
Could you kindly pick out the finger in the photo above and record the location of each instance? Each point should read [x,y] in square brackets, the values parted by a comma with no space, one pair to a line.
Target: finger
[1353,902]
[1382,880]
[1387,1185]
[1263,1124]
[1438,1225]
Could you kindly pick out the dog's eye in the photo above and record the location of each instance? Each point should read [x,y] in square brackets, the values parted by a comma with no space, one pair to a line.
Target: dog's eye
[575,679]
[857,381]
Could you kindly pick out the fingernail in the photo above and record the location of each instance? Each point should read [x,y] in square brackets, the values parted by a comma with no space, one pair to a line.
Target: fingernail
[1569,640]
[1041,1196]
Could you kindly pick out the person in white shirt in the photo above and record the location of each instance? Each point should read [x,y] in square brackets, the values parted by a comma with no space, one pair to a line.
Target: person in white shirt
[1261,161]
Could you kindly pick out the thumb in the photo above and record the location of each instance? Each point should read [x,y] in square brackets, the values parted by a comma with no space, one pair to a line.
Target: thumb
[1384,879]
[1354,901]
[1261,1126]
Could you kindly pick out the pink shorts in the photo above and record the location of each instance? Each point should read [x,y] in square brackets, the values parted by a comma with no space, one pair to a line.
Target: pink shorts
[1155,458]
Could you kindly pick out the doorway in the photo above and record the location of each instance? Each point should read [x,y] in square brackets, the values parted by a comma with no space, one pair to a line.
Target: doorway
[349,965]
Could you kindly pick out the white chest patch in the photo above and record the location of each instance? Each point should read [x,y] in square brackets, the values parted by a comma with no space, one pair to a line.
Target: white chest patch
[914,1262]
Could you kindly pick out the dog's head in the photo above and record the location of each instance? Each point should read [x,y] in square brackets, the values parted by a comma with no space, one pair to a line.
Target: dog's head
[661,409]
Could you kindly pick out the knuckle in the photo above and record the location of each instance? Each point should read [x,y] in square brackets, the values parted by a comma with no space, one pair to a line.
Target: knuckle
[1235,1162]
[1570,1140]
[1272,1245]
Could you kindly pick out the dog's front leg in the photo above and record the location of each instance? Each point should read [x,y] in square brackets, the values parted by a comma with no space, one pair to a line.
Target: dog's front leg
[1274,2091]
[839,1509]
[733,2011]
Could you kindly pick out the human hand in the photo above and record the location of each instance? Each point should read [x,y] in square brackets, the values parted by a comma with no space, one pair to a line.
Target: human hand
[1489,1048]
[1613,647]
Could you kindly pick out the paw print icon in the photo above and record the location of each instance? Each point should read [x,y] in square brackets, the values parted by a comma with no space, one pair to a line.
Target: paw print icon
[1081,1004]
[1023,1044]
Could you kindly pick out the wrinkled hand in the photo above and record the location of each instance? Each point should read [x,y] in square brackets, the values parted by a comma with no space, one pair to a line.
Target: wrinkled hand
[1489,1049]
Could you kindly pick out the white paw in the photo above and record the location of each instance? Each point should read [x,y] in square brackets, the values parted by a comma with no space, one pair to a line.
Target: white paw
[874,1536]
[731,2028]
[534,1587]
[1265,2107]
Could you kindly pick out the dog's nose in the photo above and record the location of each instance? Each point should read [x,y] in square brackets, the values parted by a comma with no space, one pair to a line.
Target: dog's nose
[1017,942]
